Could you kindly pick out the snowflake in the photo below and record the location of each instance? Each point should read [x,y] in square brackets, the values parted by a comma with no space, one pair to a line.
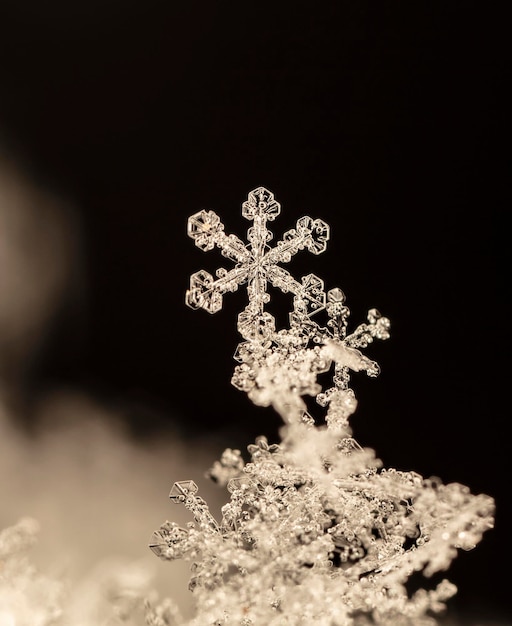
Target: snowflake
[316,530]
[256,263]
[279,367]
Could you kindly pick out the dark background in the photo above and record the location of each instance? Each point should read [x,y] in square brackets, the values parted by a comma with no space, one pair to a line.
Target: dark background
[387,120]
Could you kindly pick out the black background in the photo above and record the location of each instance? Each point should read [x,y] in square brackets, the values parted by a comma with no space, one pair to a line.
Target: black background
[387,120]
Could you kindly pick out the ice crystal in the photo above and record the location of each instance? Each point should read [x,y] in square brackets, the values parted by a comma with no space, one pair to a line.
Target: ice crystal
[316,530]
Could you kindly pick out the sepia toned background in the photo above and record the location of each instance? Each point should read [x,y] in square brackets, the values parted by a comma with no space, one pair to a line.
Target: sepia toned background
[120,120]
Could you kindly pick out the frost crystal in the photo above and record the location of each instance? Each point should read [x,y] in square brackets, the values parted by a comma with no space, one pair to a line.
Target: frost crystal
[315,530]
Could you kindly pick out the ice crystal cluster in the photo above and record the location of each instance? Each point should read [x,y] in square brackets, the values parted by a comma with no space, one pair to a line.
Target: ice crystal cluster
[316,530]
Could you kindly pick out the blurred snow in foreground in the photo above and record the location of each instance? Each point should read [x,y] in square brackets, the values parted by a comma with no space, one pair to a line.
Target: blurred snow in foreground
[95,492]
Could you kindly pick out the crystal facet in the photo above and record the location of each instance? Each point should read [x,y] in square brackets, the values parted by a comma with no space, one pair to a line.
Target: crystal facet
[182,489]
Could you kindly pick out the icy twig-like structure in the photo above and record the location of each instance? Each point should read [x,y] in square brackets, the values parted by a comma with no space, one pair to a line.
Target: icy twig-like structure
[316,531]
